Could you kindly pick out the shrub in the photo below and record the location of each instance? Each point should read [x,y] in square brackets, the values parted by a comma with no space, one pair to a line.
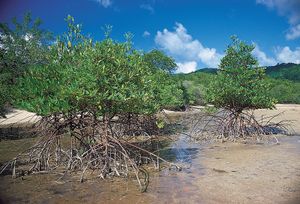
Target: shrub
[240,85]
[21,46]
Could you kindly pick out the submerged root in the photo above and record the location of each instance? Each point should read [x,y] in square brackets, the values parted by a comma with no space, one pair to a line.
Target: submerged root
[85,144]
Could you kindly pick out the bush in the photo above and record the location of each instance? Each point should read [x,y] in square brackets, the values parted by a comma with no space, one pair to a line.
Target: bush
[168,91]
[240,83]
[194,86]
[285,91]
[105,77]
[79,93]
[21,46]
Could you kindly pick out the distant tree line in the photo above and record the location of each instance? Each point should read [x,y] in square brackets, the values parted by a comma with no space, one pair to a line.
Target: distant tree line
[284,80]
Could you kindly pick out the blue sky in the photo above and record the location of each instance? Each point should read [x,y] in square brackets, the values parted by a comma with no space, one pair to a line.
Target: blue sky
[195,33]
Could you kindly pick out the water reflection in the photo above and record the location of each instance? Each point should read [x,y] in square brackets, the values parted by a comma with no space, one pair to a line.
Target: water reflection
[165,186]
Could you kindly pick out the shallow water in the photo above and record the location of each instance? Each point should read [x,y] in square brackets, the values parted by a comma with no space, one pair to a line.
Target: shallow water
[211,174]
[216,173]
[165,186]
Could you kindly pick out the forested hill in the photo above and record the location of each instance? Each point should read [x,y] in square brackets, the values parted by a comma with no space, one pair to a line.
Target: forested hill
[285,80]
[289,71]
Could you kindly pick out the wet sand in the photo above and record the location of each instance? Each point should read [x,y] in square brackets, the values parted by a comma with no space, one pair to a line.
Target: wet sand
[238,173]
[215,173]
[241,173]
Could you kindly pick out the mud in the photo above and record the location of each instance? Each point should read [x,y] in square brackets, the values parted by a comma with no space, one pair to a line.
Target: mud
[215,173]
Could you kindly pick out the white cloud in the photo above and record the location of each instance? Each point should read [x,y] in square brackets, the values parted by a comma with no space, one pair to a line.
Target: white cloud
[182,45]
[282,55]
[186,67]
[28,36]
[290,9]
[262,58]
[190,52]
[268,3]
[147,7]
[286,55]
[210,57]
[146,34]
[104,3]
[293,33]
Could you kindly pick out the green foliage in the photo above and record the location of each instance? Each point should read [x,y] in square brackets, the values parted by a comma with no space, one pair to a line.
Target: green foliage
[282,77]
[194,85]
[104,77]
[285,71]
[210,109]
[158,60]
[160,123]
[185,95]
[21,46]
[5,96]
[240,84]
[285,91]
[168,92]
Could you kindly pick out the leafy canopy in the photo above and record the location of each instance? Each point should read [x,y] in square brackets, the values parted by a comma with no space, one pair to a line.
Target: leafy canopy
[168,91]
[21,46]
[106,78]
[158,60]
[240,83]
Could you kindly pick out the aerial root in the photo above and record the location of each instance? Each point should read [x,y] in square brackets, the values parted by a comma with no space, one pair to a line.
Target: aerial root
[232,125]
[80,143]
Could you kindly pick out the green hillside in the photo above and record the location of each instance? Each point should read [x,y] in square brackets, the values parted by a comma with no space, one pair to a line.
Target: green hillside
[288,71]
[285,80]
